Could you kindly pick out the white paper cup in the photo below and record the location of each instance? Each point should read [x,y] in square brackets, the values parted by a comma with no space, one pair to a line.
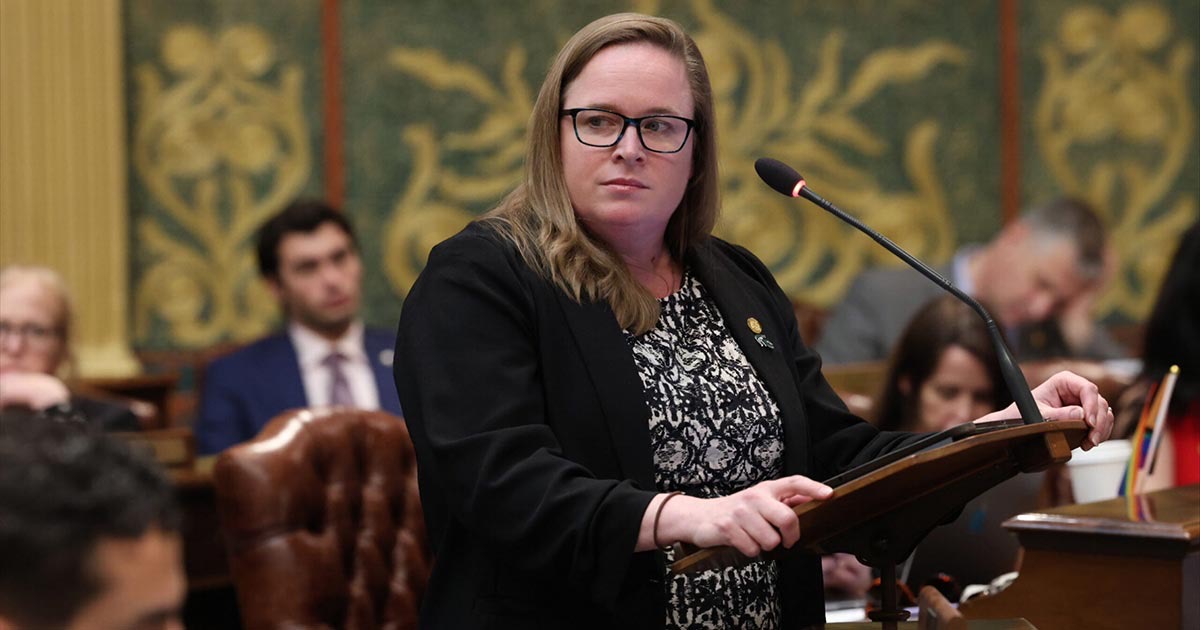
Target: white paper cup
[1096,474]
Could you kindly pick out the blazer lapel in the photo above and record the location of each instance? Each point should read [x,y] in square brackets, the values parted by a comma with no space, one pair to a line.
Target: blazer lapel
[618,386]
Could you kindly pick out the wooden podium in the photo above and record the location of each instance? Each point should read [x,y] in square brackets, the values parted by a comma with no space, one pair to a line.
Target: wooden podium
[1124,563]
[880,516]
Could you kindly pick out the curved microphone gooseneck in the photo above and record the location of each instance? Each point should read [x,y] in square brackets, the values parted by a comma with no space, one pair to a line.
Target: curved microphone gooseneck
[790,183]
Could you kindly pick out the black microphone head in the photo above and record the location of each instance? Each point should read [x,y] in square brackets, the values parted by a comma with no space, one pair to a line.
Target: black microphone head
[778,175]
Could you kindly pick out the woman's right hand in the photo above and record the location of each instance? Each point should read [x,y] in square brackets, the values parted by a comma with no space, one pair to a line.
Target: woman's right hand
[753,520]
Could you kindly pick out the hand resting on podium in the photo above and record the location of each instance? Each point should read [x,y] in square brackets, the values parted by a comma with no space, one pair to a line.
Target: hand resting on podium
[760,518]
[1068,396]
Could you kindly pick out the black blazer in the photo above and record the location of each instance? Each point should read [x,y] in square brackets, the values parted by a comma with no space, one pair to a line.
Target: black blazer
[532,438]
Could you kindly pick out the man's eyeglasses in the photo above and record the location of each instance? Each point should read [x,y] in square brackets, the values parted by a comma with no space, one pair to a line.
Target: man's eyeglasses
[34,334]
[660,133]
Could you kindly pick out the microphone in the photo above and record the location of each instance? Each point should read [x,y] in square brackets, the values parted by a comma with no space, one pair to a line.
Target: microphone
[788,182]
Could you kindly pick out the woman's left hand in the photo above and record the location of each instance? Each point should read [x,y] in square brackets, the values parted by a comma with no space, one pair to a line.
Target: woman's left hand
[1068,396]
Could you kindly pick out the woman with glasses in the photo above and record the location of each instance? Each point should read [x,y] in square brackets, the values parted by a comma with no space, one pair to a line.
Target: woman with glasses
[35,325]
[588,376]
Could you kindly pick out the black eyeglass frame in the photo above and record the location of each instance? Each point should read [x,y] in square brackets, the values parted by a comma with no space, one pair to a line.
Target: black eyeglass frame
[635,122]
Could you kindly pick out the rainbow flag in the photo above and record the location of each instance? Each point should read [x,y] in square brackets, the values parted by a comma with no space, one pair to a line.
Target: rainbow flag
[1148,435]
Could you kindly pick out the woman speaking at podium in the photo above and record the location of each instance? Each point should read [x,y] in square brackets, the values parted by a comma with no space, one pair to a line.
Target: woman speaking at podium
[589,376]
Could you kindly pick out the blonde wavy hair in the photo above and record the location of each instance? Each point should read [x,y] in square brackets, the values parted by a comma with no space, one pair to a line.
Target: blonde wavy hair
[538,217]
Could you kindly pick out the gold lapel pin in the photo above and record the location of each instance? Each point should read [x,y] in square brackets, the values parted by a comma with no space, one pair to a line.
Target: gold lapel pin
[757,329]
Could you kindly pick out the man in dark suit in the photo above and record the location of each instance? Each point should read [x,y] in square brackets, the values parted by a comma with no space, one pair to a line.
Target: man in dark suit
[308,255]
[1038,278]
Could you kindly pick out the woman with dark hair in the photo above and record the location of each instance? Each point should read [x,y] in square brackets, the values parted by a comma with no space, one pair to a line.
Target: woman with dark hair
[589,376]
[1172,337]
[943,371]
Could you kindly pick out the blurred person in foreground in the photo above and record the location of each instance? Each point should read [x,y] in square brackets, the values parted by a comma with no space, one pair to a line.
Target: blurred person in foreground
[89,531]
[1040,275]
[308,256]
[35,348]
[589,376]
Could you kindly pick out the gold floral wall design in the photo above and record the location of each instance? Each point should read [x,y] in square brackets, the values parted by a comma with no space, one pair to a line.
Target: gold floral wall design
[1114,124]
[434,205]
[218,148]
[818,131]
[816,128]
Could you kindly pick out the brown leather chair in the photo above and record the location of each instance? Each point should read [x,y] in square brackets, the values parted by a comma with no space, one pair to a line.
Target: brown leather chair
[323,522]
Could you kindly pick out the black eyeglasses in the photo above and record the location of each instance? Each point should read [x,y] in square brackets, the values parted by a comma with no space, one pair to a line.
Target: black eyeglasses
[660,133]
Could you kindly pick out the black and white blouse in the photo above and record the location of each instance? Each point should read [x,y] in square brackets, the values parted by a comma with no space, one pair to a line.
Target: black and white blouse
[715,430]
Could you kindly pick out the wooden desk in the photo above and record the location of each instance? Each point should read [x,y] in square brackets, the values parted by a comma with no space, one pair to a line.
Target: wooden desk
[860,378]
[1112,564]
[858,385]
[211,601]
[204,555]
[154,389]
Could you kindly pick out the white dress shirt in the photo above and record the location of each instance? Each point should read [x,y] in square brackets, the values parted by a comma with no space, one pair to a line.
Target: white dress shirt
[312,349]
[960,273]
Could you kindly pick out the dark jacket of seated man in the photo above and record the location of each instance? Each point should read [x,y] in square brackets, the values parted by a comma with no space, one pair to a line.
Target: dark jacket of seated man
[244,390]
[1038,277]
[877,307]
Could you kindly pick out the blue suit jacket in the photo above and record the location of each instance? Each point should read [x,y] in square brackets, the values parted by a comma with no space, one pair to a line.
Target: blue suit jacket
[245,389]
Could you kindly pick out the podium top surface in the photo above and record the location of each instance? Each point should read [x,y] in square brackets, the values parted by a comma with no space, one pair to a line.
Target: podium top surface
[1167,515]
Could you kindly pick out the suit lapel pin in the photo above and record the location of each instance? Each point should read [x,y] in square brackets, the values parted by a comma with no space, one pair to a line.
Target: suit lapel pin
[757,329]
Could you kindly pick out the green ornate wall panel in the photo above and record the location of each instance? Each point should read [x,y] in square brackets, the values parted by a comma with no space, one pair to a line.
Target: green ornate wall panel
[224,127]
[890,107]
[1110,97]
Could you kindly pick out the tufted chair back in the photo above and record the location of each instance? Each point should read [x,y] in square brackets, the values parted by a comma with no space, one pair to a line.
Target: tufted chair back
[323,522]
